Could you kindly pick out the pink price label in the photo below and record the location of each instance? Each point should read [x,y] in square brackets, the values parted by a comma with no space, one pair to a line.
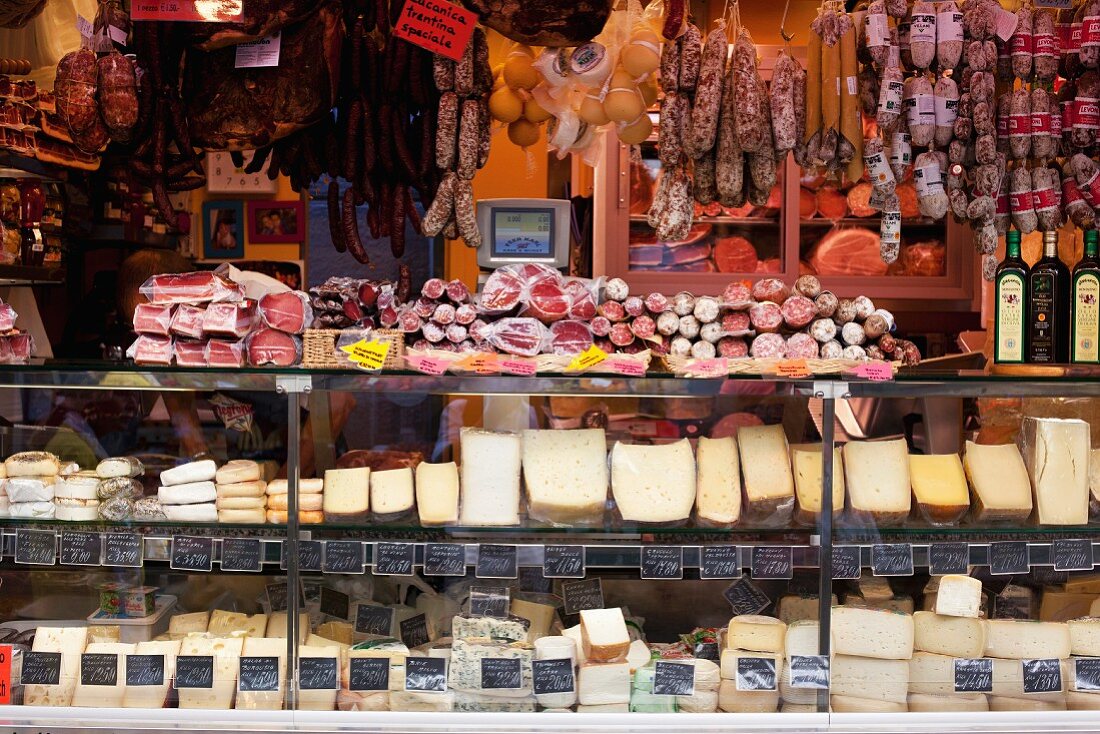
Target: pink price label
[428,365]
[517,366]
[623,366]
[715,367]
[194,11]
[875,371]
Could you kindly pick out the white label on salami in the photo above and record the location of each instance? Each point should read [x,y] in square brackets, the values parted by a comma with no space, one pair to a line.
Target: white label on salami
[901,150]
[118,35]
[1090,31]
[1055,124]
[923,28]
[876,30]
[927,180]
[889,98]
[853,86]
[890,228]
[946,111]
[1045,45]
[922,110]
[838,86]
[261,53]
[1006,23]
[877,199]
[949,26]
[878,169]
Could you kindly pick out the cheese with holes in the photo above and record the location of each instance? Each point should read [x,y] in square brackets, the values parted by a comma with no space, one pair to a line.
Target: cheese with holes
[766,465]
[181,624]
[872,633]
[1056,453]
[347,494]
[756,632]
[935,703]
[391,492]
[1004,703]
[104,696]
[155,696]
[961,637]
[728,661]
[999,487]
[264,647]
[223,623]
[880,680]
[70,642]
[939,484]
[226,652]
[541,617]
[931,673]
[565,473]
[856,705]
[746,702]
[437,493]
[653,483]
[1084,636]
[319,699]
[600,684]
[718,482]
[877,475]
[959,596]
[490,477]
[1023,639]
[806,462]
[604,635]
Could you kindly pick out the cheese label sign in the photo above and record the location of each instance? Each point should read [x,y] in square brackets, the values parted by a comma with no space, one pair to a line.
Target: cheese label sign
[394,559]
[756,674]
[190,11]
[490,601]
[373,620]
[80,548]
[439,26]
[673,679]
[343,556]
[580,595]
[1008,558]
[719,562]
[99,669]
[334,603]
[426,674]
[892,559]
[369,674]
[1042,676]
[1072,555]
[144,670]
[258,674]
[946,558]
[192,554]
[41,669]
[772,562]
[553,676]
[414,631]
[662,562]
[973,675]
[810,671]
[242,554]
[496,562]
[195,671]
[1086,673]
[501,674]
[587,359]
[444,559]
[317,674]
[745,598]
[35,547]
[563,562]
[122,549]
[846,563]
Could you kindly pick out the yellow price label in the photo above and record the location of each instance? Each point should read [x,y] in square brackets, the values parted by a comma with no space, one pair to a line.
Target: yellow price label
[369,355]
[587,359]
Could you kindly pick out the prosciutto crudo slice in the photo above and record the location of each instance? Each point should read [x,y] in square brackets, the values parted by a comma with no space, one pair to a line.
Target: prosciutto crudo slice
[201,286]
[222,353]
[229,319]
[288,312]
[153,318]
[151,350]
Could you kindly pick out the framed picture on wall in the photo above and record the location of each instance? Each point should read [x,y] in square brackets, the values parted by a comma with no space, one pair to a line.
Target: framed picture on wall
[223,230]
[271,221]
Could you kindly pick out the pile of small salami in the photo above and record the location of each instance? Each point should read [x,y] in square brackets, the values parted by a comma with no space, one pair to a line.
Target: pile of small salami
[342,303]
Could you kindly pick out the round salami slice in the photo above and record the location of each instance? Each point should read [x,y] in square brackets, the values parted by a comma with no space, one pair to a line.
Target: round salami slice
[634,306]
[768,346]
[766,317]
[656,303]
[668,323]
[421,344]
[479,330]
[736,295]
[433,332]
[808,285]
[770,289]
[613,311]
[802,346]
[600,326]
[457,333]
[735,322]
[433,288]
[616,289]
[643,326]
[387,317]
[465,314]
[411,323]
[424,307]
[660,345]
[732,347]
[621,335]
[444,314]
[798,311]
[605,345]
[457,291]
[569,337]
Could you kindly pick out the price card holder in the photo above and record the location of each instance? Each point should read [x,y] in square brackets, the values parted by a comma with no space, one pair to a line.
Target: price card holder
[707,651]
[563,562]
[756,674]
[317,674]
[531,579]
[490,601]
[144,670]
[41,669]
[772,562]
[810,671]
[892,559]
[195,671]
[553,676]
[673,679]
[79,548]
[745,598]
[369,674]
[242,554]
[335,603]
[343,556]
[1072,555]
[580,595]
[444,559]
[662,562]
[847,564]
[192,554]
[277,597]
[123,549]
[1009,558]
[394,559]
[1086,674]
[501,674]
[414,631]
[258,674]
[425,674]
[973,675]
[496,562]
[1042,676]
[948,558]
[98,669]
[35,547]
[310,555]
[719,562]
[372,620]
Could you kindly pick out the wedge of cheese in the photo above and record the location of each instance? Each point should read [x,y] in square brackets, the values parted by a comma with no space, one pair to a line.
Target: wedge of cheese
[959,596]
[223,622]
[877,475]
[961,637]
[797,607]
[156,696]
[1061,606]
[999,485]
[490,477]
[654,484]
[347,494]
[756,632]
[878,680]
[939,485]
[264,647]
[718,481]
[746,702]
[101,696]
[1084,636]
[803,638]
[70,642]
[277,626]
[600,684]
[857,705]
[604,636]
[565,473]
[1024,639]
[182,624]
[319,699]
[872,633]
[806,462]
[391,493]
[437,493]
[226,652]
[393,650]
[541,617]
[934,703]
[766,466]
[1056,453]
[931,673]
[1094,483]
[1008,681]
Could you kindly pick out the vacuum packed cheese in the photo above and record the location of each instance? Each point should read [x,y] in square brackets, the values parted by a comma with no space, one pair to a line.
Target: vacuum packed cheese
[766,465]
[653,483]
[961,637]
[196,471]
[1024,639]
[346,494]
[1056,453]
[120,466]
[806,462]
[939,484]
[959,596]
[718,482]
[879,680]
[565,473]
[877,475]
[872,633]
[70,642]
[490,477]
[437,493]
[999,484]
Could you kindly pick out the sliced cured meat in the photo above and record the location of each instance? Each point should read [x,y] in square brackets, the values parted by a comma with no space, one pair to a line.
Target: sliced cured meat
[151,350]
[190,353]
[732,347]
[196,287]
[802,346]
[853,251]
[735,322]
[222,353]
[22,346]
[859,200]
[736,294]
[268,346]
[582,299]
[770,289]
[153,318]
[521,336]
[547,301]
[770,265]
[831,204]
[728,425]
[807,203]
[229,319]
[569,337]
[290,311]
[187,321]
[798,311]
[768,346]
[502,292]
[7,317]
[734,255]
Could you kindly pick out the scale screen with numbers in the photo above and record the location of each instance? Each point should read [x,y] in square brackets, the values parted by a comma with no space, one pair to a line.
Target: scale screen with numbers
[524,230]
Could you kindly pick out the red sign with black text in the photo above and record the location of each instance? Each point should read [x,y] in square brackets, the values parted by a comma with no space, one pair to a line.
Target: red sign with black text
[5,674]
[437,25]
[196,11]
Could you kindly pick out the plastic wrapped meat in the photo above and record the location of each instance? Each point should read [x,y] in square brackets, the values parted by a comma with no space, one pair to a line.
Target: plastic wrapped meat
[289,312]
[153,318]
[221,353]
[187,321]
[523,337]
[22,346]
[229,319]
[7,317]
[190,353]
[151,350]
[268,346]
[197,287]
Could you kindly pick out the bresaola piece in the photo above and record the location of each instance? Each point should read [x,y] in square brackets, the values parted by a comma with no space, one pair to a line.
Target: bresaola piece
[153,318]
[190,353]
[569,337]
[269,346]
[229,319]
[196,287]
[523,337]
[289,311]
[221,353]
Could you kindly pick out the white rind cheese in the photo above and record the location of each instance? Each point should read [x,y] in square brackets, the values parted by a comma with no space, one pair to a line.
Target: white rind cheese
[766,465]
[1022,639]
[653,483]
[872,633]
[566,476]
[437,493]
[959,596]
[600,684]
[880,680]
[877,475]
[961,637]
[1056,453]
[1000,489]
[718,482]
[490,477]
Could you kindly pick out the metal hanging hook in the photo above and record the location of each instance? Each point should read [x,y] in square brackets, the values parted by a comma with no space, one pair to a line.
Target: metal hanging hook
[783,24]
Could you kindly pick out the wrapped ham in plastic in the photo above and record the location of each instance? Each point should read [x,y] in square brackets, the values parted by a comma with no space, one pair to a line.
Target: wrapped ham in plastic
[198,287]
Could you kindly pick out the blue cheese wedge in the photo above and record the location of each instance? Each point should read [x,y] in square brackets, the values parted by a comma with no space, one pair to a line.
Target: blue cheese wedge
[500,628]
[464,669]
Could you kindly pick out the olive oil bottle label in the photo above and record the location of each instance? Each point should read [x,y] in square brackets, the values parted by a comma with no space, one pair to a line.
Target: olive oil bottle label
[1010,319]
[1086,319]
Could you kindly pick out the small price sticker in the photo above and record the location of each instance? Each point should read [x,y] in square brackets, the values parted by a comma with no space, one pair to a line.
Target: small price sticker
[524,366]
[480,363]
[792,369]
[624,366]
[427,365]
[875,371]
[368,355]
[587,359]
[714,367]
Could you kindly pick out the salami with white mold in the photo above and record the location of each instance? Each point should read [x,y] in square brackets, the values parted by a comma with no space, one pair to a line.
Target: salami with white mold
[766,317]
[1023,209]
[768,346]
[802,346]
[798,311]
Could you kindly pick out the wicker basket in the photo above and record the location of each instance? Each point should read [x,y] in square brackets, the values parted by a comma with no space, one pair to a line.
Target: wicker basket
[319,350]
[749,366]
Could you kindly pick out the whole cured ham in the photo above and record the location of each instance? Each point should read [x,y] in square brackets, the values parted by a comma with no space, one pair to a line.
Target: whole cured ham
[268,346]
[196,287]
[288,311]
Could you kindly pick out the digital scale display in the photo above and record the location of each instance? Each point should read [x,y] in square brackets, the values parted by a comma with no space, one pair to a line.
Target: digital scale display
[523,233]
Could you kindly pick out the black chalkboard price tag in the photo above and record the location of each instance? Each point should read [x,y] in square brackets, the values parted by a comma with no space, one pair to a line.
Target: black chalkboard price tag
[335,603]
[553,676]
[772,562]
[394,559]
[317,674]
[1009,557]
[1072,555]
[79,548]
[563,562]
[258,674]
[948,558]
[1042,676]
[35,547]
[489,601]
[745,598]
[372,620]
[277,597]
[123,549]
[343,556]
[531,579]
[425,674]
[892,559]
[195,671]
[673,679]
[707,651]
[756,674]
[580,595]
[192,554]
[662,562]
[145,670]
[310,555]
[369,674]
[847,564]
[414,631]
[496,562]
[501,674]
[242,554]
[98,669]
[41,669]
[444,559]
[810,671]
[1086,674]
[719,562]
[973,675]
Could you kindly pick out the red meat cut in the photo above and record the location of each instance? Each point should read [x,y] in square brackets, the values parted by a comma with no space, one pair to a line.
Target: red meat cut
[288,312]
[229,319]
[268,346]
[196,287]
[569,337]
[153,318]
[522,337]
[221,353]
